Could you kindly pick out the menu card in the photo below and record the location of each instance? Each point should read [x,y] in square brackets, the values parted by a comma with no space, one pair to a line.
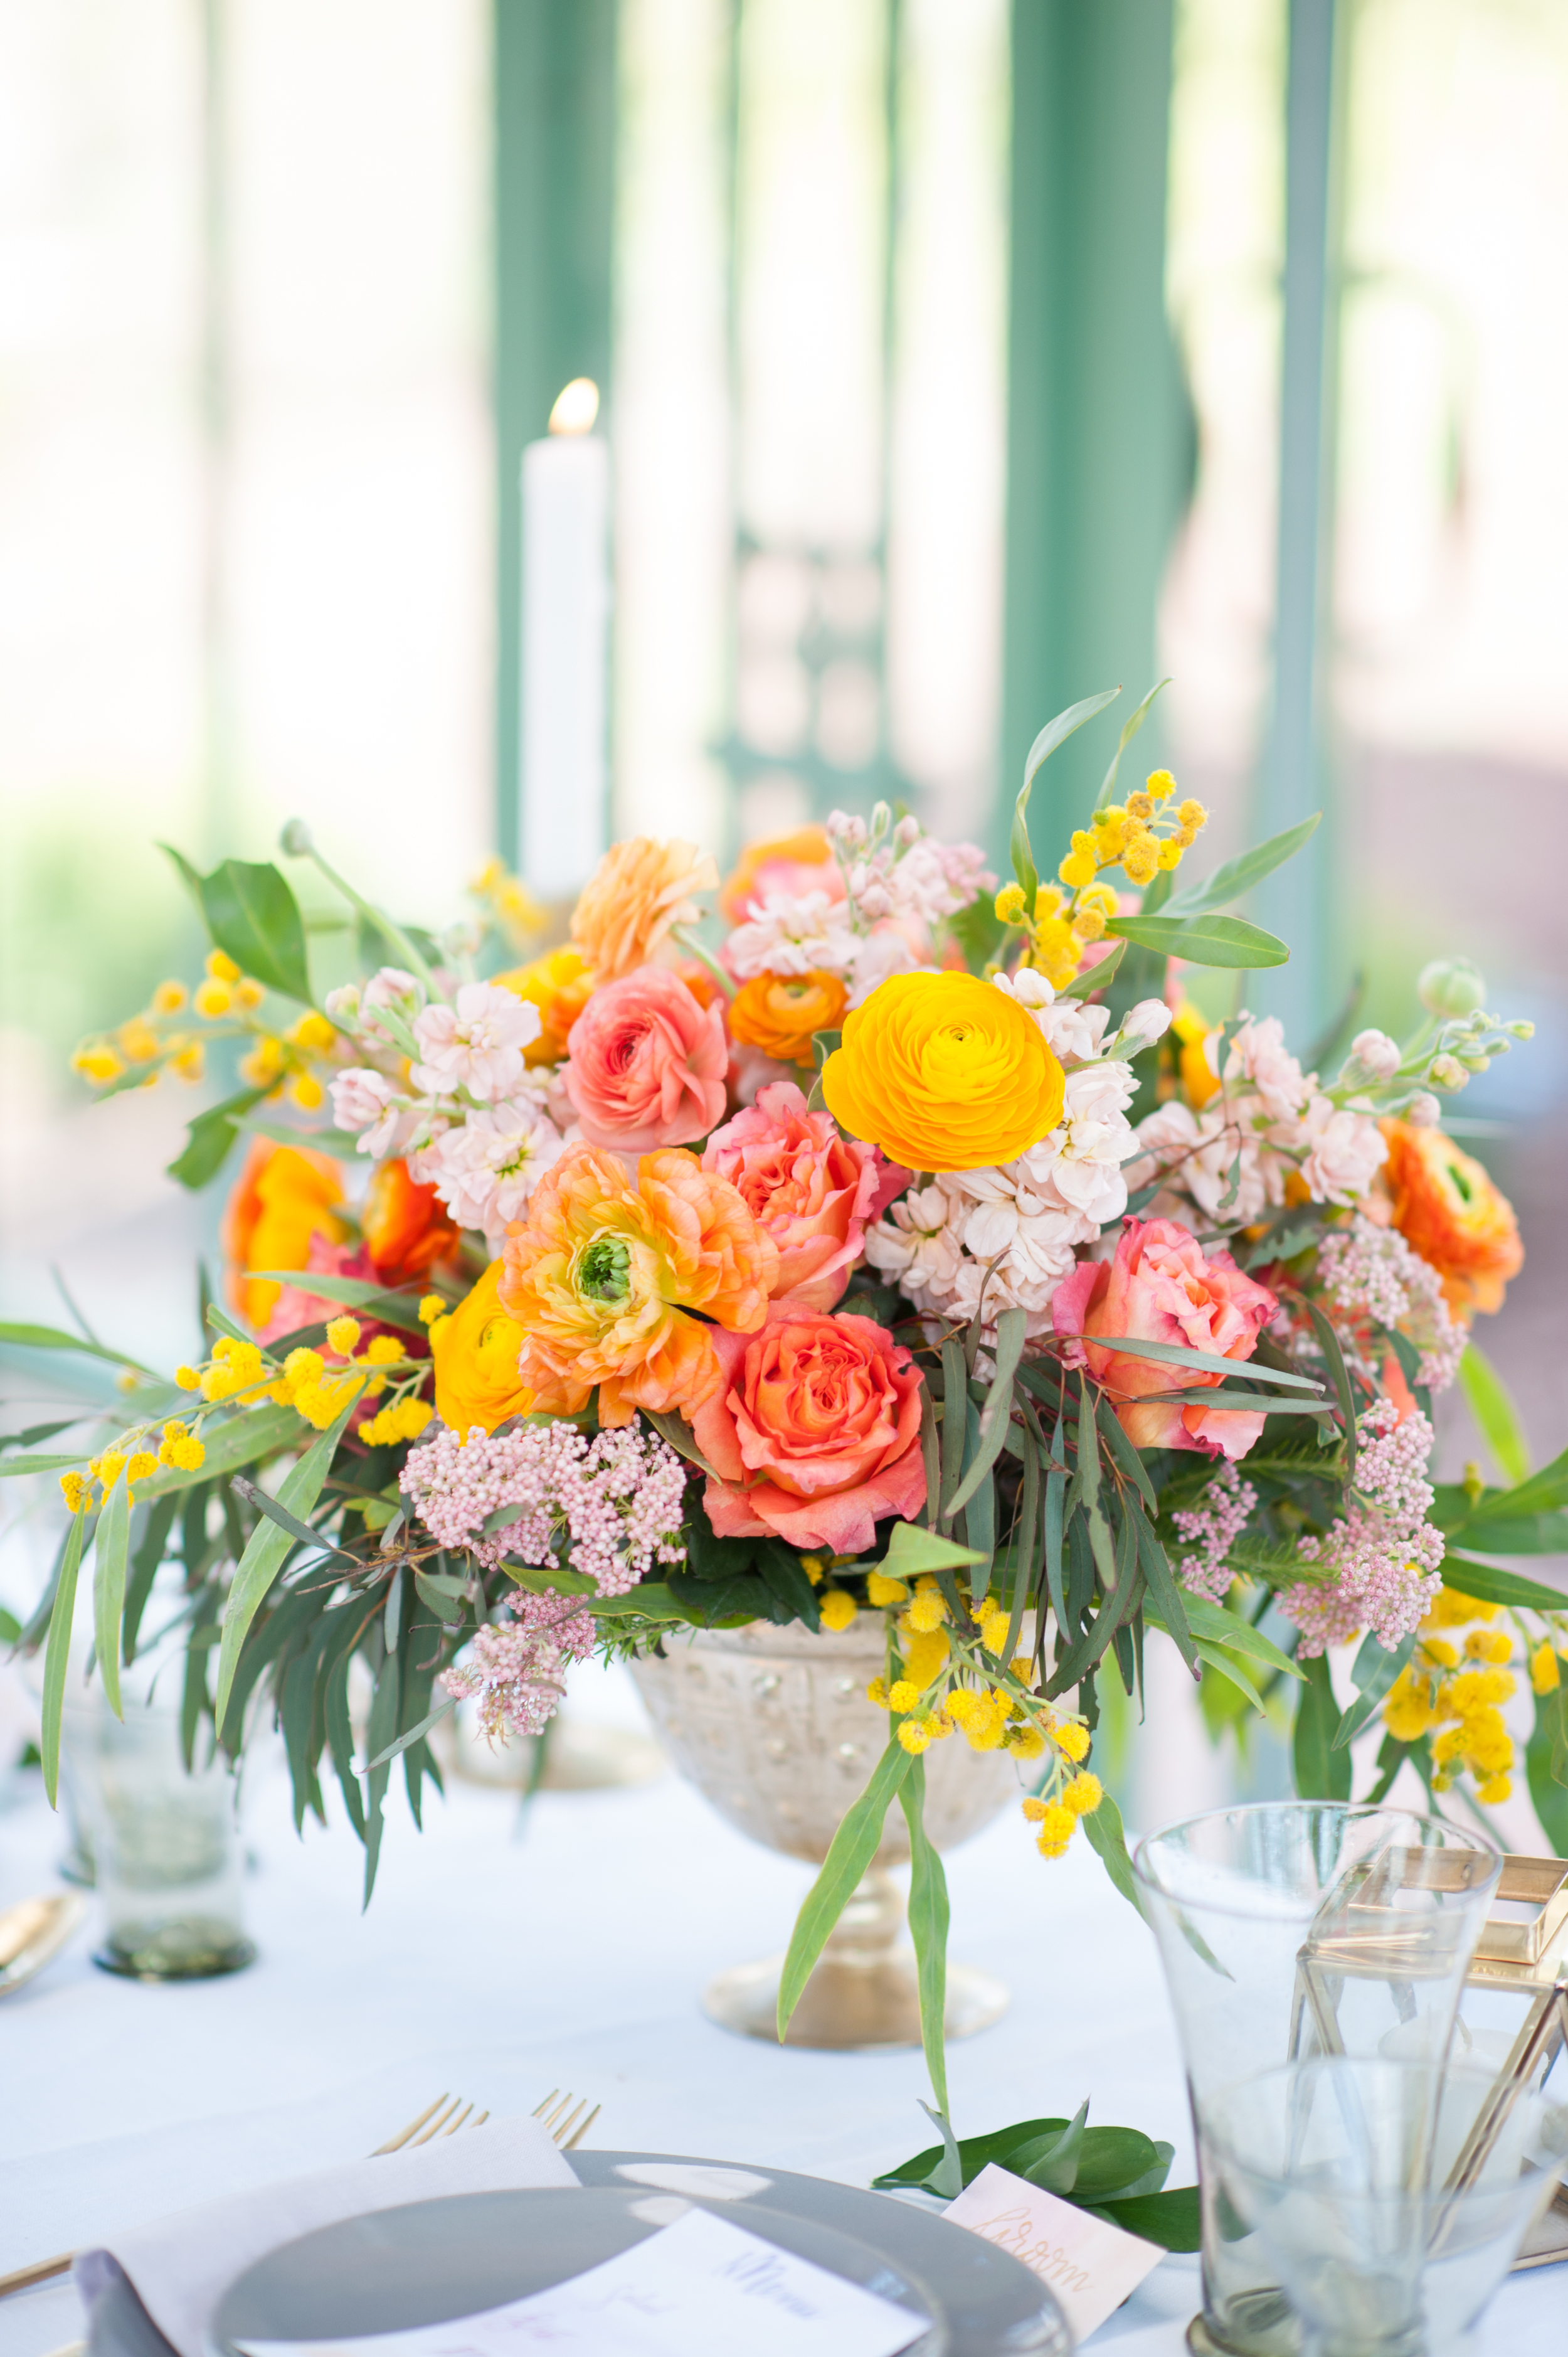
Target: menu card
[1090,2265]
[700,2287]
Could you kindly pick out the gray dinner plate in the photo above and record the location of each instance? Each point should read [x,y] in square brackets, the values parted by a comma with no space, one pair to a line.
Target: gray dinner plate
[431,2262]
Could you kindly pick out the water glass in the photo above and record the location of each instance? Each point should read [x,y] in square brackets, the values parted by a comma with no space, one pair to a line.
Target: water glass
[1294,1928]
[166,1848]
[1355,2178]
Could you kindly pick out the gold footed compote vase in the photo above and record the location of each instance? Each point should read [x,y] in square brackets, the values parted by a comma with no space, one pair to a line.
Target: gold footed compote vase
[773,1726]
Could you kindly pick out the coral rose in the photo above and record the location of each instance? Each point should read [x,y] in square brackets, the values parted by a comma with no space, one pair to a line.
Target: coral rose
[1160,1288]
[814,1432]
[404,1226]
[283,1196]
[778,1013]
[812,1191]
[638,892]
[476,1352]
[1447,1209]
[944,1072]
[559,984]
[798,863]
[599,1276]
[646,1064]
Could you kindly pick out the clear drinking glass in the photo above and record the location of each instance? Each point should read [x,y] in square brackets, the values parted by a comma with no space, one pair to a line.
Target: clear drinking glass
[1386,2228]
[168,1850]
[1292,1927]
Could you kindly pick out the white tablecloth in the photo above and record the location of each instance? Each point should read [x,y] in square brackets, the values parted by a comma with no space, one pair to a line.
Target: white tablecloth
[572,1958]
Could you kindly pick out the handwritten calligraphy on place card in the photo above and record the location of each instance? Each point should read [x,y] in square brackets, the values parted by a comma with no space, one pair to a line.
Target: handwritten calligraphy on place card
[1090,2265]
[699,2287]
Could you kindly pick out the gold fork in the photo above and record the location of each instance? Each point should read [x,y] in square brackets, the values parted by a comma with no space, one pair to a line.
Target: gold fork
[444,2117]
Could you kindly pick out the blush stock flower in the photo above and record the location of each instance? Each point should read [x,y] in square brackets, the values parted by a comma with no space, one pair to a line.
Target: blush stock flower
[477,1043]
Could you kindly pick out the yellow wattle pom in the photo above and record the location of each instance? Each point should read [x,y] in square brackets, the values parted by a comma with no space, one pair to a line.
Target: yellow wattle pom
[902,1695]
[311,1031]
[993,1631]
[303,1366]
[944,1072]
[1192,813]
[307,1091]
[188,1059]
[1057,1825]
[1084,1794]
[1170,852]
[249,992]
[261,1066]
[879,1693]
[169,998]
[380,1351]
[1407,1714]
[1159,784]
[221,967]
[139,1043]
[1011,904]
[1055,952]
[1495,1789]
[1453,1609]
[343,1333]
[966,1709]
[1079,866]
[924,1657]
[142,1464]
[77,1492]
[915,1735]
[838,1609]
[186,1455]
[1072,1738]
[411,1415]
[1438,1650]
[926,1611]
[1023,1669]
[880,1589]
[109,1466]
[213,999]
[1544,1674]
[187,1378]
[431,1308]
[98,1063]
[1490,1645]
[1025,1742]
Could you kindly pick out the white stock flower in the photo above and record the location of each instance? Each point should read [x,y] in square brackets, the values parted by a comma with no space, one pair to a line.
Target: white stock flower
[367,1102]
[1145,1023]
[476,1044]
[1423,1112]
[343,1005]
[793,934]
[1344,1151]
[917,1245]
[1376,1053]
[486,1170]
[1259,1054]
[1201,1157]
[1072,1027]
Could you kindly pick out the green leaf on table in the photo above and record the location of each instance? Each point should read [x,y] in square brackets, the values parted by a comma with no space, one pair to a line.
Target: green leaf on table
[268,1547]
[58,1652]
[1173,2218]
[1203,941]
[849,1855]
[1239,876]
[1051,2162]
[928,1929]
[211,1137]
[1054,732]
[1321,1773]
[975,2153]
[253,916]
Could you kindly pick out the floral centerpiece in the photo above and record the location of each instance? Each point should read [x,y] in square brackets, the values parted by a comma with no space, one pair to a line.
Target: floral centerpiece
[904,1246]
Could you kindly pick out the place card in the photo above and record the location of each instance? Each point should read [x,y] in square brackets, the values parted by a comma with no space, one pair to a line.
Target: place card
[1090,2265]
[699,2287]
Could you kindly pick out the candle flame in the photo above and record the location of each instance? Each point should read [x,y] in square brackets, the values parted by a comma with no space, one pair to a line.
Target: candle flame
[576,406]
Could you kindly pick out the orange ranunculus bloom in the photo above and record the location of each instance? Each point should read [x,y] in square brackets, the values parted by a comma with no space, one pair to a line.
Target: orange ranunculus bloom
[283,1196]
[944,1071]
[559,984]
[405,1226]
[476,1353]
[779,1013]
[1447,1209]
[599,1276]
[802,862]
[638,890]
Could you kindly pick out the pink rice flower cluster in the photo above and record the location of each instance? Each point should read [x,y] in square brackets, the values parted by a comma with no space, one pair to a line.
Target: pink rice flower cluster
[614,1501]
[1373,1272]
[517,1672]
[1382,1558]
[1213,1525]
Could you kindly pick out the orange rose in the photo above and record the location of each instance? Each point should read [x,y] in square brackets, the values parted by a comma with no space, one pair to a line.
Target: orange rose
[406,1229]
[1447,1209]
[283,1196]
[798,863]
[639,889]
[600,1275]
[779,1013]
[476,1353]
[559,985]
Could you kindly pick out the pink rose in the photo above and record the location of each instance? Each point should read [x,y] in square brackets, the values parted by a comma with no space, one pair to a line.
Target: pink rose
[821,1415]
[646,1064]
[1160,1288]
[812,1191]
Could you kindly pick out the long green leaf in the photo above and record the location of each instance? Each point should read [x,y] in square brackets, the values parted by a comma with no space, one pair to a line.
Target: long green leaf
[1130,728]
[51,1337]
[242,1439]
[1238,876]
[1054,732]
[1095,977]
[1495,1412]
[58,1652]
[912,1550]
[1544,1493]
[1204,940]
[210,1139]
[413,1735]
[1489,1585]
[677,1433]
[390,1308]
[252,914]
[1102,1830]
[955,1420]
[1546,1766]
[996,1415]
[1372,1674]
[1237,1634]
[1339,1374]
[109,1587]
[266,1553]
[1132,1346]
[1321,1772]
[849,1855]
[274,1512]
[1228,1666]
[928,1929]
[1168,1602]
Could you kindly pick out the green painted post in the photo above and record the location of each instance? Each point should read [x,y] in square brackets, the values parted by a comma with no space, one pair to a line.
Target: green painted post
[1100,435]
[1294,902]
[553,82]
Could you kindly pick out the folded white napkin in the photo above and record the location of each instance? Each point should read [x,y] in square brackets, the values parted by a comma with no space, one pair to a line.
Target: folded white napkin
[182,2264]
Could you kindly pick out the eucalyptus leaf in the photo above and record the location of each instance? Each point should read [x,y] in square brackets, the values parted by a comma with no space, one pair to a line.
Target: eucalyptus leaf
[268,1546]
[1054,732]
[58,1652]
[1204,940]
[211,1137]
[928,1913]
[849,1855]
[1239,876]
[1177,1354]
[387,1307]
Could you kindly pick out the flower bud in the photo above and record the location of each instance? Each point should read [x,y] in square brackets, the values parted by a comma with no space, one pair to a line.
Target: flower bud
[1148,1021]
[1447,1072]
[296,839]
[1423,1112]
[1450,986]
[1521,1031]
[881,818]
[1475,1063]
[343,1005]
[908,830]
[1376,1054]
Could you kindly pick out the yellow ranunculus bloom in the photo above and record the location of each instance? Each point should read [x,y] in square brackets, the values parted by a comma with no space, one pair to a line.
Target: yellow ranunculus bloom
[944,1071]
[474,1350]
